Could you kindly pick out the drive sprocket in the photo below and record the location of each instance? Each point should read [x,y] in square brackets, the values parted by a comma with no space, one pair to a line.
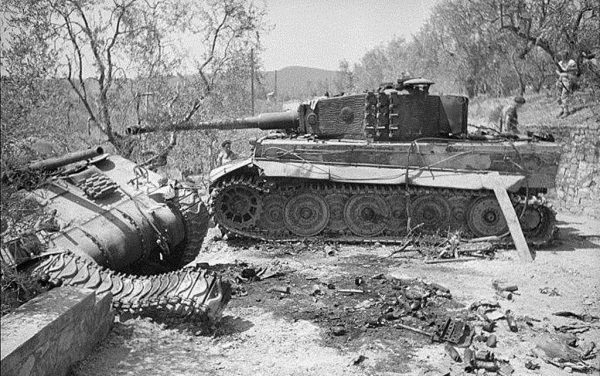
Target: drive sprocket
[238,206]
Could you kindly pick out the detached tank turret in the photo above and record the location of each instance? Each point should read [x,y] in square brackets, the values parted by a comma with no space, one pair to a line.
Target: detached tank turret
[371,166]
[105,216]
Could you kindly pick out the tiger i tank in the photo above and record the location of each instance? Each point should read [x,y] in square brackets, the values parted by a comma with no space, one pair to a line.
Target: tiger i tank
[373,166]
[111,225]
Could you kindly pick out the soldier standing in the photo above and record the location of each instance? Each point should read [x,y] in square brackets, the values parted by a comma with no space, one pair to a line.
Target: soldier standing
[567,74]
[509,122]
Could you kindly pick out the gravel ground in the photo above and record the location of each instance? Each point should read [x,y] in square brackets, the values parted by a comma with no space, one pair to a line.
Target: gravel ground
[264,332]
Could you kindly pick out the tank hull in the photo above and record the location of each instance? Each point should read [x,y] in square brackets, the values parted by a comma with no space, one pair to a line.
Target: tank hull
[360,191]
[112,226]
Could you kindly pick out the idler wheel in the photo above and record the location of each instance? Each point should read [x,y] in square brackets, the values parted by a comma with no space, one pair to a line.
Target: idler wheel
[397,220]
[485,217]
[537,222]
[366,215]
[336,202]
[306,214]
[238,206]
[272,214]
[432,211]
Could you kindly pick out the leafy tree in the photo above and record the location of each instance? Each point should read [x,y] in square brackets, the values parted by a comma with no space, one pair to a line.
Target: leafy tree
[108,40]
[551,25]
[344,81]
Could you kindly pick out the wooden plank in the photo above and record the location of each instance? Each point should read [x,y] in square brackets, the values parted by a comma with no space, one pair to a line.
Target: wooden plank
[513,224]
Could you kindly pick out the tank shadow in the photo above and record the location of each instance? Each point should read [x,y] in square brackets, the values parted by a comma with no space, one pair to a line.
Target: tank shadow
[570,238]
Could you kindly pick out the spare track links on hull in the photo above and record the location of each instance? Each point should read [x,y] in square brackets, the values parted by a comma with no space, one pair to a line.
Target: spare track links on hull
[284,210]
[188,292]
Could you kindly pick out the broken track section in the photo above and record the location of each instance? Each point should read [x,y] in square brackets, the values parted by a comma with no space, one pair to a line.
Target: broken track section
[190,292]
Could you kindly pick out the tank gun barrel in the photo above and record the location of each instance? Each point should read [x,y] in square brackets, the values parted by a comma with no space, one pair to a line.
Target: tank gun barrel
[52,163]
[265,121]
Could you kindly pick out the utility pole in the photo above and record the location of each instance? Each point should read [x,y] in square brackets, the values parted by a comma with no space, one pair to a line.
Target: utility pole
[252,78]
[275,90]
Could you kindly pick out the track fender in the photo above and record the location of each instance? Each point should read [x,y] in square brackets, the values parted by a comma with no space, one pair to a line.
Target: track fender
[221,171]
[457,179]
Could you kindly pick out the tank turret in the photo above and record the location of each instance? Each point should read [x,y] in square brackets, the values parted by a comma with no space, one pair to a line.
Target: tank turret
[406,112]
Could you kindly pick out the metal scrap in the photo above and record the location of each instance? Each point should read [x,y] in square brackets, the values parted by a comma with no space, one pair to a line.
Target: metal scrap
[454,331]
[452,353]
[583,317]
[549,291]
[510,320]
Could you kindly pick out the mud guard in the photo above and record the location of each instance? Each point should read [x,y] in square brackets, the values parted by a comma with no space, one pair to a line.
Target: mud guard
[471,180]
[226,169]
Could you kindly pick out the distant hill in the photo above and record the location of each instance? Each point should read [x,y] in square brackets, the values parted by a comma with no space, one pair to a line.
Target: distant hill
[299,82]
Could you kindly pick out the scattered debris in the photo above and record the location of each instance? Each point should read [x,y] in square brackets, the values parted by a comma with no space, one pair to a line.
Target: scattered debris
[491,341]
[583,317]
[416,330]
[454,331]
[505,369]
[549,291]
[495,315]
[489,326]
[502,286]
[359,360]
[485,304]
[579,328]
[505,295]
[468,358]
[555,350]
[530,364]
[316,290]
[338,330]
[588,350]
[280,289]
[510,320]
[452,353]
[350,291]
[441,261]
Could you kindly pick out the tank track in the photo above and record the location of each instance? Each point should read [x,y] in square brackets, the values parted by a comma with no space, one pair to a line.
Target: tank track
[196,219]
[457,207]
[189,292]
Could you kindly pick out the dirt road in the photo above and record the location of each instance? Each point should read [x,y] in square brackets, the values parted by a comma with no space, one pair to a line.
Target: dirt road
[316,329]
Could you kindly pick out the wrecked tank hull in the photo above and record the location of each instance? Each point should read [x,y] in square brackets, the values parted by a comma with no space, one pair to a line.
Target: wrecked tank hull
[377,165]
[291,189]
[112,225]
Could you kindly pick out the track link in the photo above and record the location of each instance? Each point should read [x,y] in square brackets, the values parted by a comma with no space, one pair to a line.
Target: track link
[436,210]
[190,292]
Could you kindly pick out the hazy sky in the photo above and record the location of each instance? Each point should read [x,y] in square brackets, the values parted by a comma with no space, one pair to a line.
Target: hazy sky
[320,33]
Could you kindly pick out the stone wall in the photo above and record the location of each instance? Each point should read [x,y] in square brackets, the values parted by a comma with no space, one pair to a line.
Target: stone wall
[46,335]
[578,178]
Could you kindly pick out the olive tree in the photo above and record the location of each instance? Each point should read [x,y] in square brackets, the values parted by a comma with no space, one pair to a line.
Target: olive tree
[107,49]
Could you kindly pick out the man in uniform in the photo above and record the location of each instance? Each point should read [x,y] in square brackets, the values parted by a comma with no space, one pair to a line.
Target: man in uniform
[226,155]
[567,76]
[509,122]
